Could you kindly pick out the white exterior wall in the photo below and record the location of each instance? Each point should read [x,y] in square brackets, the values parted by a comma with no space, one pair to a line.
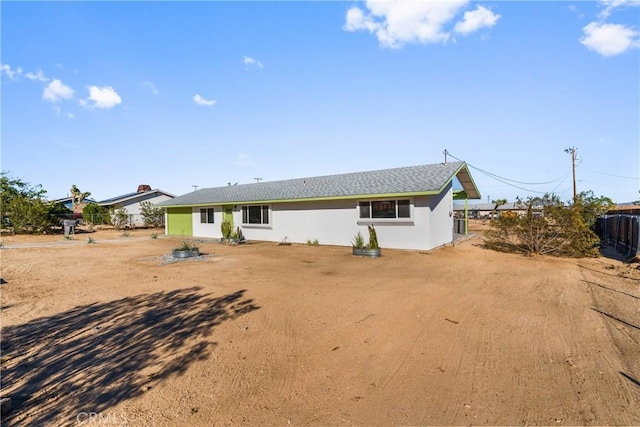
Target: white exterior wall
[440,210]
[211,230]
[133,206]
[336,222]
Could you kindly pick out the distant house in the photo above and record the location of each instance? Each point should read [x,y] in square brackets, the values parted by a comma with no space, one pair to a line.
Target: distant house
[484,210]
[410,207]
[68,202]
[131,202]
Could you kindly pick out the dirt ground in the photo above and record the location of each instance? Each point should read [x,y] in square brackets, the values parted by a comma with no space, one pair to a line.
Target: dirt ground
[113,333]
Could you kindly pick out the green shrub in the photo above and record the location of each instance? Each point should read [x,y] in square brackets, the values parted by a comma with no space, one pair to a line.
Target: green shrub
[226,229]
[547,226]
[120,218]
[358,241]
[151,215]
[95,214]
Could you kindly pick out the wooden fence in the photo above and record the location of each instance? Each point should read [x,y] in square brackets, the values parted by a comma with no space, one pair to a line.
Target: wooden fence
[622,231]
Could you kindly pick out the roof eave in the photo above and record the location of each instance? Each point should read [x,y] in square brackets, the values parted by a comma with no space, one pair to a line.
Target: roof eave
[307,199]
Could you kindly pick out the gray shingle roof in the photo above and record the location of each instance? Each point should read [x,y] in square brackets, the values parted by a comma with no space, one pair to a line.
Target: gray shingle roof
[412,179]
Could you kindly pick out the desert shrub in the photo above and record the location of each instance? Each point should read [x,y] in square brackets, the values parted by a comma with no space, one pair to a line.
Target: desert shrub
[120,218]
[96,214]
[28,215]
[25,196]
[546,226]
[152,216]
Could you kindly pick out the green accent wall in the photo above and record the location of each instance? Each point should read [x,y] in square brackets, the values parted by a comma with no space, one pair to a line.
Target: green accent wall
[228,214]
[180,221]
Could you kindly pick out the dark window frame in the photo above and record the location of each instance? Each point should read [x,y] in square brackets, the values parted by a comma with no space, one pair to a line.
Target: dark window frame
[255,215]
[384,209]
[207,216]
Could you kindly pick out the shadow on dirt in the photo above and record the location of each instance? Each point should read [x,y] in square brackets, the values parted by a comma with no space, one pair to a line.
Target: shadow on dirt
[612,253]
[93,356]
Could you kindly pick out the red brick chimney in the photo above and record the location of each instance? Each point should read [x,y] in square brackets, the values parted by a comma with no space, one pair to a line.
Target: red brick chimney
[143,187]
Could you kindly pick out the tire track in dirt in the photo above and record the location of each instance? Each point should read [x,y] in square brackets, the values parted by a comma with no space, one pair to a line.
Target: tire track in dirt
[615,301]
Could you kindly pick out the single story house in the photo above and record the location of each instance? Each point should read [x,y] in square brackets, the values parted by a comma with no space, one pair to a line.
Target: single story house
[131,202]
[410,207]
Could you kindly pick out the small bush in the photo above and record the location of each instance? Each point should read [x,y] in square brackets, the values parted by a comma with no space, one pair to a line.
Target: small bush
[90,240]
[186,246]
[154,235]
[227,229]
[313,242]
[358,241]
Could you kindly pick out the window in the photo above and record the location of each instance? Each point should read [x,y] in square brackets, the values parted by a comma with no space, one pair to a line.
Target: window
[385,209]
[255,214]
[206,216]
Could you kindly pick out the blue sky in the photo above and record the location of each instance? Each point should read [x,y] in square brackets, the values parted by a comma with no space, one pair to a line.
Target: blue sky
[111,95]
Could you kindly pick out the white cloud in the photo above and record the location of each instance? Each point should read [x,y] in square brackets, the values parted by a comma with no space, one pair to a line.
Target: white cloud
[151,87]
[610,5]
[201,101]
[101,97]
[57,91]
[397,22]
[609,39]
[13,74]
[39,76]
[476,19]
[247,60]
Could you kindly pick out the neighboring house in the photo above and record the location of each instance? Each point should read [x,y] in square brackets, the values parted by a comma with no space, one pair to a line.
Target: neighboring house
[411,207]
[484,210]
[131,202]
[68,202]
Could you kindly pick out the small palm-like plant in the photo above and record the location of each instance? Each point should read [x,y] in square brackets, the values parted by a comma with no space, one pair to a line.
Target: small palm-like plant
[358,241]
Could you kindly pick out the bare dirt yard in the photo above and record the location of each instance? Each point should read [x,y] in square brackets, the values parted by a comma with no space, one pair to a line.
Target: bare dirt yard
[113,333]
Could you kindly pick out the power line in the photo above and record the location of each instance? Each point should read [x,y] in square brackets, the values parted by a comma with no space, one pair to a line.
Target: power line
[498,177]
[504,180]
[610,174]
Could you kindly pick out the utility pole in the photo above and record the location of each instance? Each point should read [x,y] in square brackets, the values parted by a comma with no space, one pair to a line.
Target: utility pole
[195,187]
[258,179]
[572,151]
[445,152]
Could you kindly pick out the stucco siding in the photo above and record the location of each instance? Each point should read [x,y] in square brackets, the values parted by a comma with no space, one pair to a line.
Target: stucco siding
[335,222]
[440,211]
